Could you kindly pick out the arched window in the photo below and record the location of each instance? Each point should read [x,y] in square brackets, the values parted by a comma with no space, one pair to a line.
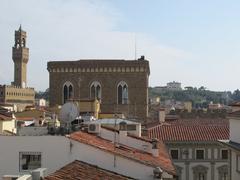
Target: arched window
[95,90]
[122,92]
[70,88]
[23,42]
[67,91]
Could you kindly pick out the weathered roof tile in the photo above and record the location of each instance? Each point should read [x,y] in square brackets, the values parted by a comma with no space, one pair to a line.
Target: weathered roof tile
[163,160]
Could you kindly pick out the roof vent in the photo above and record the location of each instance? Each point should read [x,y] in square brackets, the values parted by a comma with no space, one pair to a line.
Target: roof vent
[122,126]
[155,151]
[142,58]
[154,143]
[39,173]
[157,172]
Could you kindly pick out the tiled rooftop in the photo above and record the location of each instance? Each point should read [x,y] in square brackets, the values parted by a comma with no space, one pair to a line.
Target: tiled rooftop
[128,134]
[235,104]
[231,144]
[30,113]
[4,117]
[163,160]
[234,114]
[191,130]
[81,170]
[25,118]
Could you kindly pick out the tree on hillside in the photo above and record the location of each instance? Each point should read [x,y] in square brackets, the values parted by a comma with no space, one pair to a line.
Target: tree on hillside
[236,95]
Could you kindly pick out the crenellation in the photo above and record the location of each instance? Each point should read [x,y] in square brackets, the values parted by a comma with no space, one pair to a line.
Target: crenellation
[95,70]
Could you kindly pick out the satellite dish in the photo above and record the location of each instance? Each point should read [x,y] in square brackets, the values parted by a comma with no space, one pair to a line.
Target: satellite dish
[68,113]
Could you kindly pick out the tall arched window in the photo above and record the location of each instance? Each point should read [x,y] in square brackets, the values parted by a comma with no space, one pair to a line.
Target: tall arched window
[95,90]
[122,92]
[67,91]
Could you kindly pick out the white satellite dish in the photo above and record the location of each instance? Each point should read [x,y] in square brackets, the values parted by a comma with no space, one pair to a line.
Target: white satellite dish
[68,113]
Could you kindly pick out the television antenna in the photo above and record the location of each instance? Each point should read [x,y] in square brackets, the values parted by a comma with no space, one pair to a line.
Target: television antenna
[68,113]
[135,47]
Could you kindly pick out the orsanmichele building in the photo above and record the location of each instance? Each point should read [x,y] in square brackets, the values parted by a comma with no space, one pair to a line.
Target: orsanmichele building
[119,85]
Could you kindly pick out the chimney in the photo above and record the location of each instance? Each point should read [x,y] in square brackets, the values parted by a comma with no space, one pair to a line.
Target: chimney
[123,132]
[161,115]
[142,58]
[39,173]
[155,151]
[157,173]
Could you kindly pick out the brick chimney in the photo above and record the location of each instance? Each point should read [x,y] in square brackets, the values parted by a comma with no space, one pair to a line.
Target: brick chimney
[155,151]
[123,132]
[161,115]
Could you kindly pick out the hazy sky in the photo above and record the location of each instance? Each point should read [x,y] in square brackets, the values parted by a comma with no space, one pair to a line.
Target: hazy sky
[194,42]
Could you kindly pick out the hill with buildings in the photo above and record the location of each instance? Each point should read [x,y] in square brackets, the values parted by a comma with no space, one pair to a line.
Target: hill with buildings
[200,97]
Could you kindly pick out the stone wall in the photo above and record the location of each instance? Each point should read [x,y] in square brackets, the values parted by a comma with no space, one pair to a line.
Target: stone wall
[108,73]
[21,97]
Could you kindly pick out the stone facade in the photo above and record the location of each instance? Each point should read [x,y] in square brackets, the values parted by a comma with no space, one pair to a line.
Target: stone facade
[15,94]
[21,97]
[18,93]
[120,85]
[213,165]
[20,56]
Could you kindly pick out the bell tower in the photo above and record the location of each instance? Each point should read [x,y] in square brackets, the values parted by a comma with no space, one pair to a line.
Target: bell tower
[20,56]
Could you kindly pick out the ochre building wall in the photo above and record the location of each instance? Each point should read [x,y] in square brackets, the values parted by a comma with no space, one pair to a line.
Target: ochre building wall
[15,95]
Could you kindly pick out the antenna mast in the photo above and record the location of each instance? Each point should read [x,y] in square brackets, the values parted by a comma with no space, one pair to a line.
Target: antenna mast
[115,135]
[135,46]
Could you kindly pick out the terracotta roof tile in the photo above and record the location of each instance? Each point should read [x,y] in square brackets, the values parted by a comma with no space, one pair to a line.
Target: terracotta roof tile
[82,170]
[234,114]
[139,138]
[25,118]
[235,104]
[197,130]
[4,117]
[30,113]
[163,160]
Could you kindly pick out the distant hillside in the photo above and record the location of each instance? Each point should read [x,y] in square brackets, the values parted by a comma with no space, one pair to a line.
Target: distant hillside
[200,97]
[41,94]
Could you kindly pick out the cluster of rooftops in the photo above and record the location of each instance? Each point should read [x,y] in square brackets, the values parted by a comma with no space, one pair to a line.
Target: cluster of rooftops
[172,130]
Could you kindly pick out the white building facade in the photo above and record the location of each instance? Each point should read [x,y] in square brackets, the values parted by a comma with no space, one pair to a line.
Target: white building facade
[20,154]
[233,145]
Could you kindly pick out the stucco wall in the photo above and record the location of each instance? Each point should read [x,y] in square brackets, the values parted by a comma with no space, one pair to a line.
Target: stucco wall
[57,151]
[54,149]
[7,125]
[106,160]
[126,140]
[32,131]
[234,133]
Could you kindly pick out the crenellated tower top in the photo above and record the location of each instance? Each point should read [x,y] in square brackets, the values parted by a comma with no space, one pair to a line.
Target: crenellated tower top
[20,56]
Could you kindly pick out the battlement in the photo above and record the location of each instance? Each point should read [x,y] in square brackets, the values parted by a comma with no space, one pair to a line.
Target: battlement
[101,65]
[17,87]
